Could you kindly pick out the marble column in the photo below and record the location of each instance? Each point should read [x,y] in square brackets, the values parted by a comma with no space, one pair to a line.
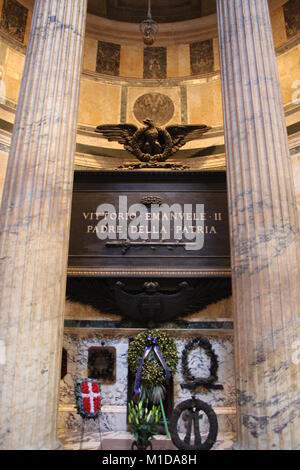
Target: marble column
[264,230]
[35,216]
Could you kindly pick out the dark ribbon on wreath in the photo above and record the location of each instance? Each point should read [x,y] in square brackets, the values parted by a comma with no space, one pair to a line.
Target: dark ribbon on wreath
[152,347]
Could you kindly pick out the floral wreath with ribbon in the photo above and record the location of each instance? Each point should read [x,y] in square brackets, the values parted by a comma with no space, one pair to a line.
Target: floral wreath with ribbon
[153,358]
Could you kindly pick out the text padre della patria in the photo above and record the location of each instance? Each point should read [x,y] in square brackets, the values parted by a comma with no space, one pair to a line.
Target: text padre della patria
[184,223]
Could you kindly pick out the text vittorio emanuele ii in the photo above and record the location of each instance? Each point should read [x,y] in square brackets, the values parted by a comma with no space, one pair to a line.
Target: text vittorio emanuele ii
[187,223]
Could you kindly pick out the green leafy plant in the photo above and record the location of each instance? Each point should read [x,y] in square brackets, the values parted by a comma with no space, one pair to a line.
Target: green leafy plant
[143,421]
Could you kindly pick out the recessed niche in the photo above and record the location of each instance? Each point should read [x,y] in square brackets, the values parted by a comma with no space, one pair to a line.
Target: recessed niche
[102,364]
[64,363]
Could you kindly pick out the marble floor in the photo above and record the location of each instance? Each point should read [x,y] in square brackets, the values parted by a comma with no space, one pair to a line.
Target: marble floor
[123,441]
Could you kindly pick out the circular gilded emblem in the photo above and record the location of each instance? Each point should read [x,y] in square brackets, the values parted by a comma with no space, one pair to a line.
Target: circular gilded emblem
[155,106]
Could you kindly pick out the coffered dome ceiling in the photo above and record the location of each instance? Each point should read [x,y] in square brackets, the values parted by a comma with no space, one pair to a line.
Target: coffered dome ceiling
[181,21]
[164,11]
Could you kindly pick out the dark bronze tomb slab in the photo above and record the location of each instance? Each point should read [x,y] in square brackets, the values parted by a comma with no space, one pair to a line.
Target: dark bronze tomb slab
[90,256]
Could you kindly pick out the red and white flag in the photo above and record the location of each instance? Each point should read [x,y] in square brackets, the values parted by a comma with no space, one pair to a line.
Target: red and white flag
[88,398]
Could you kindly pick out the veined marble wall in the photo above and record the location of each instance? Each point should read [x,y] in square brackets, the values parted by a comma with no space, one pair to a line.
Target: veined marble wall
[295,161]
[78,340]
[222,401]
[114,397]
[12,59]
[106,99]
[196,99]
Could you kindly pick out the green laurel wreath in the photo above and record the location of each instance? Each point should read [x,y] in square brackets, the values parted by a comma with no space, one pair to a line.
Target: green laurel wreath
[153,373]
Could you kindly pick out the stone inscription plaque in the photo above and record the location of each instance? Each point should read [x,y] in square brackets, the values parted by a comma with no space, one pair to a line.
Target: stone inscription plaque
[146,223]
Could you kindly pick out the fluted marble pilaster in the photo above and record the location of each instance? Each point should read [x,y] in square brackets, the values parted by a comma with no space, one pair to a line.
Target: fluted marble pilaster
[264,230]
[35,217]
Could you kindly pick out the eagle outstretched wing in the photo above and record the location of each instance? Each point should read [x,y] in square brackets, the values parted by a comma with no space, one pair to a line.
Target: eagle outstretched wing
[152,143]
[182,134]
[121,133]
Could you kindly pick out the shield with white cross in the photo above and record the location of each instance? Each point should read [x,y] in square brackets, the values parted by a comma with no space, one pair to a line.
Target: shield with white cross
[88,398]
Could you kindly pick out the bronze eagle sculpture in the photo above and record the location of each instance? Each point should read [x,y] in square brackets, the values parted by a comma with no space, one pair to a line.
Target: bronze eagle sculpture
[152,144]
